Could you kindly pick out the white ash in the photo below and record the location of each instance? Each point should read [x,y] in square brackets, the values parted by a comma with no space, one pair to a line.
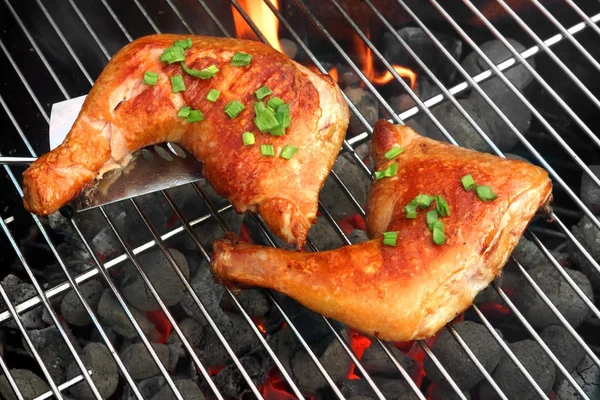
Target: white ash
[139,362]
[510,379]
[589,192]
[587,377]
[30,385]
[188,390]
[560,293]
[72,309]
[96,357]
[17,292]
[112,314]
[589,236]
[53,350]
[564,346]
[377,362]
[457,362]
[161,274]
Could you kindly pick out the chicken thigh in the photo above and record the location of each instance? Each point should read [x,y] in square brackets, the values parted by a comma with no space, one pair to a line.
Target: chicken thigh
[443,219]
[147,95]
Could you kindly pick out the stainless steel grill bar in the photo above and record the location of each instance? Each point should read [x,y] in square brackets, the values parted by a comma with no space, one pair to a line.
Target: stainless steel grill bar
[11,380]
[62,387]
[589,21]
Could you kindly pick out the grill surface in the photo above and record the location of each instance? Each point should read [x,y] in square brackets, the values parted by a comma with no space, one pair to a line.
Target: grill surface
[61,65]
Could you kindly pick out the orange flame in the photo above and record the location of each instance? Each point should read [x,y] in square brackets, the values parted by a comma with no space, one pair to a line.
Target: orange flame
[366,57]
[359,344]
[263,18]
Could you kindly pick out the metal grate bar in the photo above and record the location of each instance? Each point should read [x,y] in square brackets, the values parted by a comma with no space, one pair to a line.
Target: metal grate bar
[589,21]
[62,387]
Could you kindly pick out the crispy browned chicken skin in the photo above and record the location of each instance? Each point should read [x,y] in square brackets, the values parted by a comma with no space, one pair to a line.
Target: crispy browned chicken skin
[408,291]
[122,114]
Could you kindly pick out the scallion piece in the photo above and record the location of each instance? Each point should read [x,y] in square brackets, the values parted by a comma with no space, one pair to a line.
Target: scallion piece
[437,231]
[241,59]
[411,210]
[468,182]
[393,152]
[184,44]
[213,95]
[267,150]
[265,121]
[150,78]
[262,92]
[184,111]
[283,118]
[423,200]
[177,84]
[431,217]
[275,102]
[288,151]
[173,54]
[204,73]
[390,238]
[259,107]
[233,109]
[195,116]
[441,206]
[390,171]
[248,138]
[485,193]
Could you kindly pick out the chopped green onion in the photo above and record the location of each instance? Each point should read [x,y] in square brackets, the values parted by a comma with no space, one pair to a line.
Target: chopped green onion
[259,107]
[150,78]
[431,217]
[204,73]
[267,150]
[265,121]
[247,138]
[284,120]
[195,116]
[173,54]
[288,151]
[439,237]
[262,92]
[275,102]
[485,193]
[233,108]
[423,200]
[393,152]
[411,210]
[390,238]
[468,182]
[241,59]
[184,44]
[177,84]
[390,171]
[442,206]
[184,111]
[213,95]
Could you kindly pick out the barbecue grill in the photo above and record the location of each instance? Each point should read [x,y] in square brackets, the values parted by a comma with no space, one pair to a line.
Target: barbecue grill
[52,50]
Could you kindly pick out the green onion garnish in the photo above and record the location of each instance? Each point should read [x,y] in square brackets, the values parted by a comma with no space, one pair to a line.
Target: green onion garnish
[265,120]
[431,217]
[262,92]
[439,237]
[275,102]
[288,151]
[213,95]
[468,182]
[423,200]
[411,210]
[184,111]
[173,54]
[241,59]
[204,73]
[393,152]
[390,171]
[177,84]
[259,107]
[442,206]
[184,44]
[284,120]
[233,108]
[195,116]
[150,78]
[390,238]
[485,193]
[267,150]
[248,138]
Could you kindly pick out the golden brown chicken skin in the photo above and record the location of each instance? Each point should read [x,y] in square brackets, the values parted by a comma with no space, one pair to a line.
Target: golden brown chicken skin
[122,114]
[410,290]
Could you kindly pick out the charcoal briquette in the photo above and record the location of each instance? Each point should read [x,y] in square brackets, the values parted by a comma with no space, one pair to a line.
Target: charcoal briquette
[73,310]
[188,390]
[587,377]
[112,314]
[589,236]
[377,362]
[589,191]
[17,292]
[191,329]
[30,385]
[390,388]
[564,347]
[445,392]
[96,357]
[147,388]
[139,362]
[255,302]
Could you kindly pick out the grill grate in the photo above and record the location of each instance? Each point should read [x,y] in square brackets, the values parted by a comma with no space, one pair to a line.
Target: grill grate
[83,73]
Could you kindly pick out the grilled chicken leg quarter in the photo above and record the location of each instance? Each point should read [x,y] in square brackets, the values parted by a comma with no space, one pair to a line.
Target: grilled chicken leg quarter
[122,113]
[427,261]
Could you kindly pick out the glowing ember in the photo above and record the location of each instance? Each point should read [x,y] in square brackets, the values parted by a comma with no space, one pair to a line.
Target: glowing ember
[161,323]
[359,344]
[275,387]
[494,310]
[214,370]
[263,18]
[368,68]
[260,325]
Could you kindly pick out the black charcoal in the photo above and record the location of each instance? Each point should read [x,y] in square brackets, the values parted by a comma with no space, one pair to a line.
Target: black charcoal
[366,104]
[390,388]
[510,379]
[161,274]
[72,309]
[147,388]
[191,329]
[139,362]
[564,346]
[377,362]
[560,293]
[53,350]
[530,256]
[30,385]
[17,292]
[112,314]
[96,357]
[457,362]
[323,236]
[589,191]
[589,236]
[443,392]
[587,377]
[358,236]
[188,390]
[255,302]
